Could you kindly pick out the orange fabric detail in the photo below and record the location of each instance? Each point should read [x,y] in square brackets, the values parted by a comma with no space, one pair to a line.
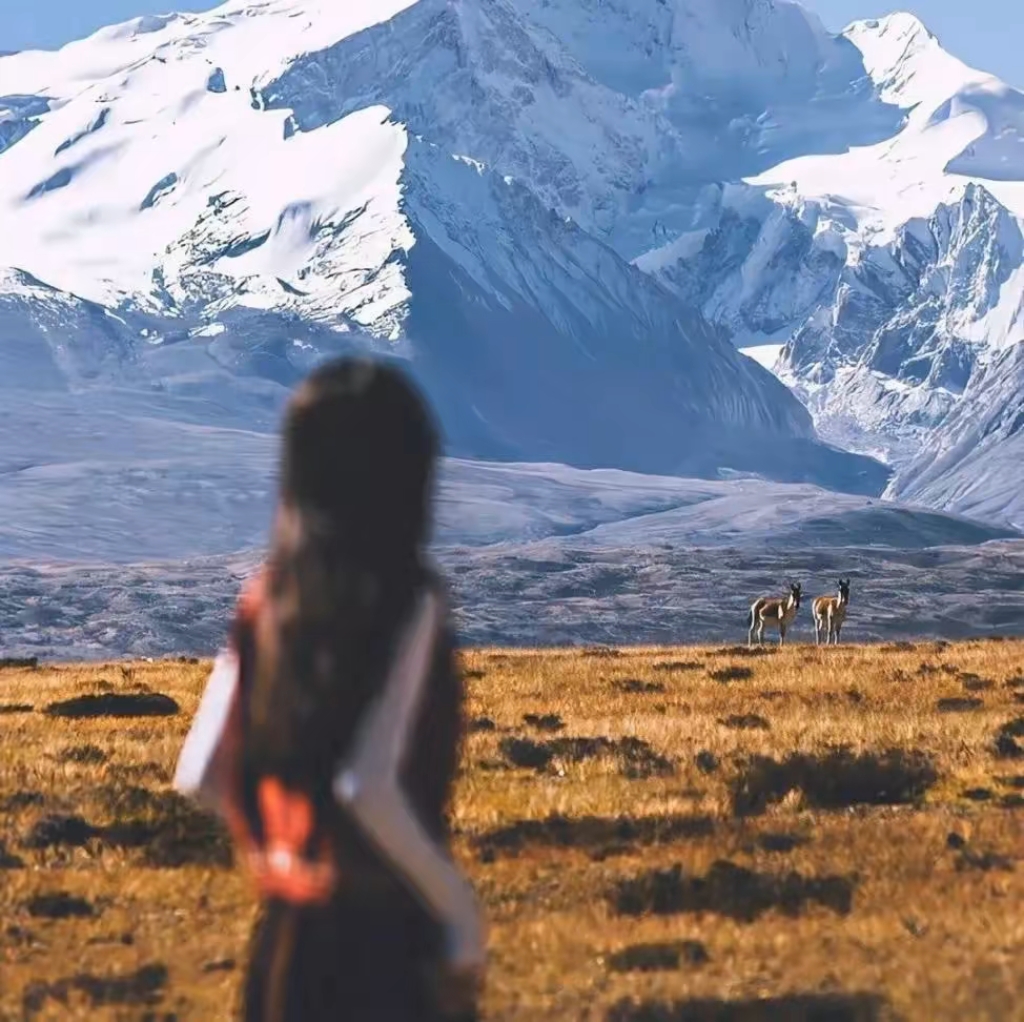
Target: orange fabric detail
[283,868]
[287,816]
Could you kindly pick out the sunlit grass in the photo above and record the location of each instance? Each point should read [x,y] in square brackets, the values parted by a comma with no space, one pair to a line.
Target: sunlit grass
[935,918]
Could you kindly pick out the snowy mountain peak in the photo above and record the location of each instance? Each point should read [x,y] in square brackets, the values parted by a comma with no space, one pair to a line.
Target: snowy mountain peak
[147,24]
[907,62]
[900,29]
[566,213]
[209,204]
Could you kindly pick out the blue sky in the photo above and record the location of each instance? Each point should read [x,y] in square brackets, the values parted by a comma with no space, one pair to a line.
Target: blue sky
[985,33]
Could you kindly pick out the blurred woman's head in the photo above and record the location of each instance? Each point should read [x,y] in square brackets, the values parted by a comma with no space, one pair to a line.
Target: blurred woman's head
[346,557]
[359,452]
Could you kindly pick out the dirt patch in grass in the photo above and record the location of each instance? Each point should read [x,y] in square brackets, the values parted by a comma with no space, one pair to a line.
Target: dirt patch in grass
[12,708]
[124,939]
[59,905]
[637,760]
[220,965]
[678,665]
[1006,744]
[658,957]
[745,722]
[144,987]
[84,754]
[959,704]
[753,651]
[779,842]
[55,830]
[974,683]
[794,1008]
[480,724]
[19,800]
[978,794]
[111,704]
[18,936]
[130,773]
[636,686]
[8,860]
[984,861]
[729,890]
[602,834]
[836,780]
[731,673]
[168,829]
[544,722]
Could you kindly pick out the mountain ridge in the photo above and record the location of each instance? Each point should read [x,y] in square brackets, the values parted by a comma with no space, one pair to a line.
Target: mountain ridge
[604,193]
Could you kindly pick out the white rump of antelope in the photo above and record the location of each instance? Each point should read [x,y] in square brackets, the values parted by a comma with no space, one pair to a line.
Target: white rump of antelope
[774,612]
[830,613]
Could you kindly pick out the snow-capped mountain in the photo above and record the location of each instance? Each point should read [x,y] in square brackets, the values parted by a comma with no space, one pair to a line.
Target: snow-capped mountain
[568,215]
[890,275]
[193,201]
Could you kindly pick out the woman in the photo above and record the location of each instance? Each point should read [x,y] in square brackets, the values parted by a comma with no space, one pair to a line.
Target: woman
[328,733]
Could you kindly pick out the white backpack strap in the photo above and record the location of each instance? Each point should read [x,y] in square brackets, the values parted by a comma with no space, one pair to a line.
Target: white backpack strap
[369,787]
[196,772]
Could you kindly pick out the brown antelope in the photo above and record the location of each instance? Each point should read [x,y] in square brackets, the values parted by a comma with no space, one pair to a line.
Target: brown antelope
[829,613]
[777,611]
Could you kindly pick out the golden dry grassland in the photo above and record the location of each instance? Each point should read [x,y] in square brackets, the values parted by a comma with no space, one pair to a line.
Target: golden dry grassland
[657,834]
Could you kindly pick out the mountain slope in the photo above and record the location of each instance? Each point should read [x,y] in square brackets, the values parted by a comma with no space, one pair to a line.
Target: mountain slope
[249,190]
[567,215]
[973,462]
[115,477]
[889,274]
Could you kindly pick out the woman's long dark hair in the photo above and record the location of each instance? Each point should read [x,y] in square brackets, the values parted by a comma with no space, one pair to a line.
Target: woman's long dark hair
[345,566]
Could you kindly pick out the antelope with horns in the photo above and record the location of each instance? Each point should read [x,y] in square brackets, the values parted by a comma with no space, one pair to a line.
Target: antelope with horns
[829,614]
[777,611]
